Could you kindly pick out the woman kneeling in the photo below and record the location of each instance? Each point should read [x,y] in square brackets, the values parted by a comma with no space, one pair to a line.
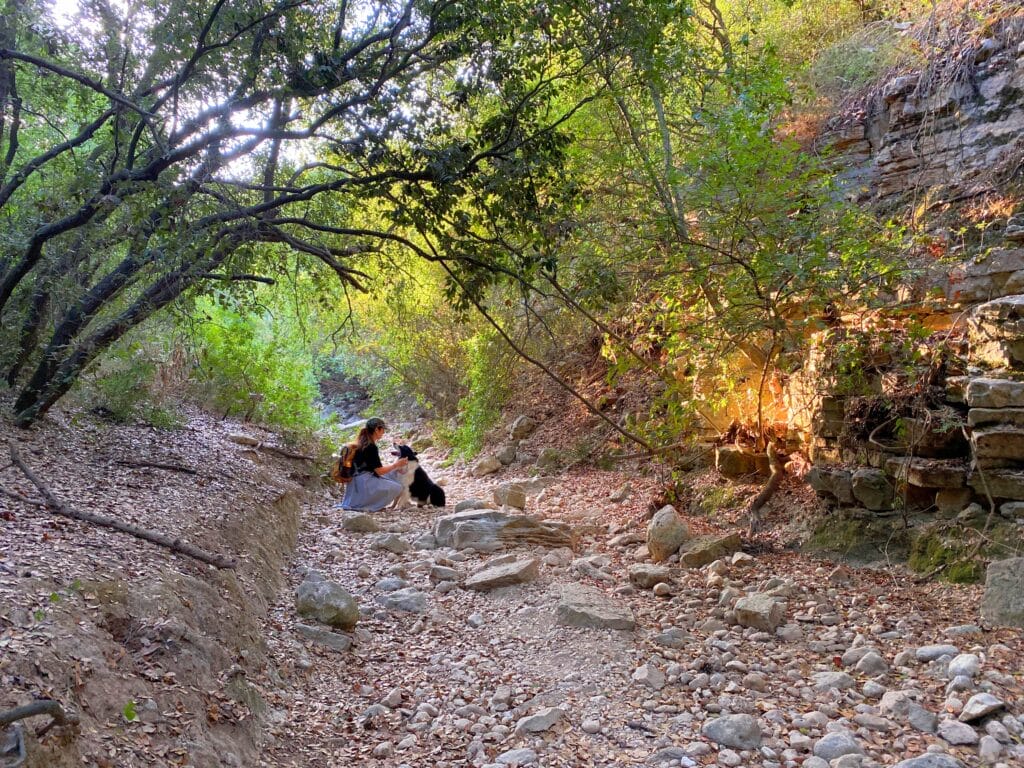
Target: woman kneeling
[370,489]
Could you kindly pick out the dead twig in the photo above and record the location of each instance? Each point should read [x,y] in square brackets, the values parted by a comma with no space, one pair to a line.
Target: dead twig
[158,465]
[56,506]
[40,707]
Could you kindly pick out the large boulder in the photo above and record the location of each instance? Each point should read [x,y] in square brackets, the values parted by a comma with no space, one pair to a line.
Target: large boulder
[731,461]
[490,529]
[327,603]
[665,533]
[585,606]
[504,575]
[703,550]
[1003,602]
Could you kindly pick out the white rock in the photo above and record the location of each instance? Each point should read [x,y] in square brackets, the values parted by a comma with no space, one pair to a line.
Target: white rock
[837,744]
[980,705]
[966,664]
[517,757]
[928,653]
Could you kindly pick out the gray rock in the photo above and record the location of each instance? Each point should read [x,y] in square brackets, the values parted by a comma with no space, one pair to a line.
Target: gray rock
[922,719]
[957,733]
[645,576]
[815,762]
[995,393]
[410,600]
[738,731]
[928,653]
[836,744]
[333,640]
[585,606]
[486,466]
[674,638]
[522,427]
[872,488]
[761,611]
[359,522]
[507,453]
[469,504]
[327,603]
[930,761]
[548,460]
[731,461]
[517,757]
[966,664]
[825,681]
[505,575]
[391,583]
[665,533]
[424,541]
[390,543]
[833,483]
[872,665]
[542,720]
[512,494]
[980,705]
[440,573]
[489,529]
[989,749]
[1003,601]
[703,550]
[649,675]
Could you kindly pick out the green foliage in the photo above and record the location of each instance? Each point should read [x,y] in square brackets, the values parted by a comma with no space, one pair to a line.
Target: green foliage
[486,380]
[254,366]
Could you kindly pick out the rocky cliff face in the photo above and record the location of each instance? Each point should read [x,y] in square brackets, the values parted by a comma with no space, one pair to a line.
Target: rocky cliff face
[951,458]
[944,138]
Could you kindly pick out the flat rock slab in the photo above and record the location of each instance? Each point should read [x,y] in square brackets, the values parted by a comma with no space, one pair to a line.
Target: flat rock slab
[704,550]
[929,473]
[505,575]
[585,606]
[995,393]
[645,576]
[490,529]
[1000,483]
[333,640]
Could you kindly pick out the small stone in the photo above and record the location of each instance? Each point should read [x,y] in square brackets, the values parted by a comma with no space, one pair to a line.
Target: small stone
[837,744]
[980,705]
[873,690]
[729,758]
[921,719]
[760,611]
[824,681]
[542,720]
[956,732]
[872,665]
[739,731]
[661,589]
[815,762]
[989,749]
[928,653]
[591,726]
[935,760]
[517,757]
[966,664]
[651,676]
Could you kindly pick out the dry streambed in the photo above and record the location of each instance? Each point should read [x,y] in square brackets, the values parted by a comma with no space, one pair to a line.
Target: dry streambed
[511,657]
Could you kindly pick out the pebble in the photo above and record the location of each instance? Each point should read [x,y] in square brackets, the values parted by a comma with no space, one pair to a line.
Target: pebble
[591,726]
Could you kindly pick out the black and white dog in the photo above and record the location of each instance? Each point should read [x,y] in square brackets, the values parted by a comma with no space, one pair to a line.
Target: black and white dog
[418,484]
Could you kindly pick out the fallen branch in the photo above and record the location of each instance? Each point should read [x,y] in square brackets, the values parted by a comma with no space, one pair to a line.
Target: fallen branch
[259,445]
[55,505]
[23,499]
[40,707]
[158,465]
[778,472]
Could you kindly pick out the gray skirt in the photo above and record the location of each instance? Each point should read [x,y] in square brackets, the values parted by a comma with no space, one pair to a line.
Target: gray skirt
[369,492]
